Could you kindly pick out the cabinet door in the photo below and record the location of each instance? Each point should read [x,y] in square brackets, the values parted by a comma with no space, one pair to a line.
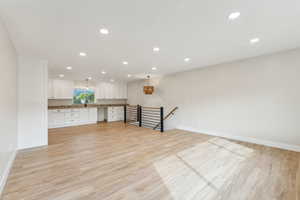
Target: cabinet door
[109,91]
[63,89]
[119,93]
[57,88]
[100,90]
[75,116]
[119,113]
[68,89]
[115,114]
[84,115]
[120,90]
[124,90]
[116,90]
[92,115]
[59,118]
[110,114]
[51,118]
[50,89]
[113,91]
[101,114]
[68,119]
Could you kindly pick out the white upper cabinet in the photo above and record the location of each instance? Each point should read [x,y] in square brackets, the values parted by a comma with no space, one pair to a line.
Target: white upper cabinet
[99,92]
[63,89]
[50,89]
[60,89]
[123,90]
[107,90]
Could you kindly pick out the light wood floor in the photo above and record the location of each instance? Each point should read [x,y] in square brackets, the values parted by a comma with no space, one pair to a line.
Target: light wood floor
[115,161]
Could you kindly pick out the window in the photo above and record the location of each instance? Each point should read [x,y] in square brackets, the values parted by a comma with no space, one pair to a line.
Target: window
[83,96]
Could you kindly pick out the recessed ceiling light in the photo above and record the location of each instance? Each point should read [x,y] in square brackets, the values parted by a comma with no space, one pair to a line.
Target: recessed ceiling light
[156,49]
[104,31]
[82,54]
[129,75]
[125,63]
[187,59]
[254,40]
[61,75]
[234,15]
[112,80]
[154,68]
[69,68]
[103,72]
[89,78]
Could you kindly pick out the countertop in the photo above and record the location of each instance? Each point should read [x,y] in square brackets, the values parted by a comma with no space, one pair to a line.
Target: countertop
[83,106]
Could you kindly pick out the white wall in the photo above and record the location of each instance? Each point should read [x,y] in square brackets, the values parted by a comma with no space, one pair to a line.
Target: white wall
[32,103]
[256,100]
[8,104]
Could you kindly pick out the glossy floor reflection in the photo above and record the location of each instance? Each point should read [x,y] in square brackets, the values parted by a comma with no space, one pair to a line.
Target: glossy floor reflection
[200,172]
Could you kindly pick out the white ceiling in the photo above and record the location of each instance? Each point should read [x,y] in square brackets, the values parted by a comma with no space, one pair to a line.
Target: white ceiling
[57,30]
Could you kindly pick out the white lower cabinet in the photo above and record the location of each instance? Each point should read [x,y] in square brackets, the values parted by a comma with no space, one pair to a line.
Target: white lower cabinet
[93,115]
[71,117]
[115,113]
[101,114]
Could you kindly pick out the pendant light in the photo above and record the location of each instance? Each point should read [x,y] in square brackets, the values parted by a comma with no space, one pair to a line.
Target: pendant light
[148,89]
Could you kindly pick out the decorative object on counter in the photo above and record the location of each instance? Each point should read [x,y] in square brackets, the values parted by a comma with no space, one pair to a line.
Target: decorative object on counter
[148,89]
[84,95]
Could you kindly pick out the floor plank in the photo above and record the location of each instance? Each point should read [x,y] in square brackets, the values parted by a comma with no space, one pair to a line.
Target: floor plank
[114,161]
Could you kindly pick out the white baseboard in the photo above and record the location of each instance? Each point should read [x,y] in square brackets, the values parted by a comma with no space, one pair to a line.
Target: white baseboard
[6,171]
[245,139]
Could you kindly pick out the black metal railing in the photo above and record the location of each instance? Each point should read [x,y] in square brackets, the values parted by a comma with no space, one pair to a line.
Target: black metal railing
[131,113]
[149,117]
[167,116]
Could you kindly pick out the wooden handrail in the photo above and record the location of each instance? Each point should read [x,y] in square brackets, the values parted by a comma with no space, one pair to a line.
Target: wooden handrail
[151,107]
[167,116]
[131,105]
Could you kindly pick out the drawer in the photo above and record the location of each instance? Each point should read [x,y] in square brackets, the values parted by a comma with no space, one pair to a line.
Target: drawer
[55,111]
[75,115]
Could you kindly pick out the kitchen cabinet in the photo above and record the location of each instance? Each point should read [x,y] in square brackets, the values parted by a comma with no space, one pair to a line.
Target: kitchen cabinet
[100,90]
[50,89]
[71,117]
[60,89]
[108,90]
[115,113]
[102,114]
[93,115]
[63,89]
[123,90]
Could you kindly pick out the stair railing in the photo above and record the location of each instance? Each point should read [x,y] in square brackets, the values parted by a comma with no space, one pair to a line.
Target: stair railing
[166,117]
[149,117]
